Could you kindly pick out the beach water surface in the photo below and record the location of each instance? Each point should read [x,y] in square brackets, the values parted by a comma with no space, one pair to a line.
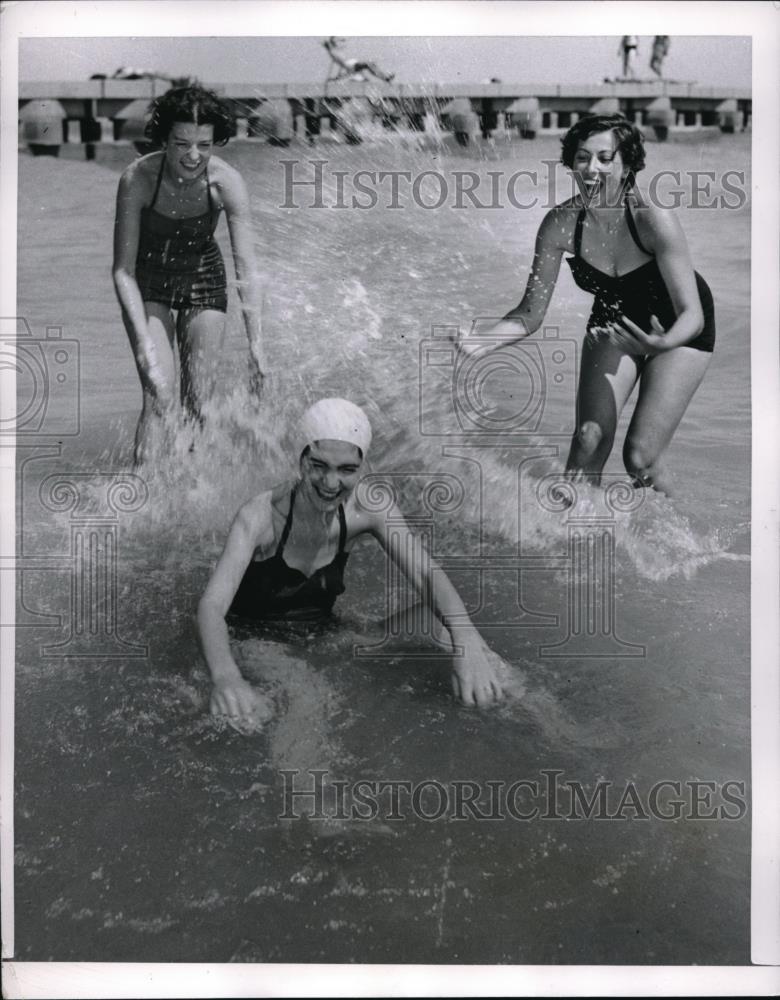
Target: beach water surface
[147,832]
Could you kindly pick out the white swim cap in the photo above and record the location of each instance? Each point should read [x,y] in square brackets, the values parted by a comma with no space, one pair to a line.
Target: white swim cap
[334,420]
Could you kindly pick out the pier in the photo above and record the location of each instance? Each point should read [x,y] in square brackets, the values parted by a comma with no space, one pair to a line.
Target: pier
[109,110]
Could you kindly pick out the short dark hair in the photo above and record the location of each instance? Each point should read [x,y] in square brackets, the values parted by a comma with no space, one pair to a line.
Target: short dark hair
[190,104]
[630,141]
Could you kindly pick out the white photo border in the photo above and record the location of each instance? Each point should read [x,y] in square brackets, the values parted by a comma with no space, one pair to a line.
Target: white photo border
[270,18]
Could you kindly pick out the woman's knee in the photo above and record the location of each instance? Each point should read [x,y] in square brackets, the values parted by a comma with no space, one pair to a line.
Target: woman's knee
[162,398]
[638,456]
[591,437]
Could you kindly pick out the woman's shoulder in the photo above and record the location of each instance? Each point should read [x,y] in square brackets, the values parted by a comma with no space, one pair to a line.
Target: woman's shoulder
[227,181]
[558,224]
[144,168]
[256,518]
[222,173]
[362,516]
[139,178]
[654,222]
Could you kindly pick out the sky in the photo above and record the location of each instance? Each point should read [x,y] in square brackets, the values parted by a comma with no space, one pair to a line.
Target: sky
[707,60]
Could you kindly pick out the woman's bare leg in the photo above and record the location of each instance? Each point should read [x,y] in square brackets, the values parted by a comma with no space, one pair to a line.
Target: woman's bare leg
[158,398]
[666,387]
[607,376]
[200,335]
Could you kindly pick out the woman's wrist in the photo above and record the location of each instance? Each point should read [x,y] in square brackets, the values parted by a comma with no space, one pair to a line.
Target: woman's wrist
[518,320]
[463,633]
[224,671]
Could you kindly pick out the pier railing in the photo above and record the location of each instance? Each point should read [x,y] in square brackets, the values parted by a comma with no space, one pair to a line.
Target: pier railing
[108,110]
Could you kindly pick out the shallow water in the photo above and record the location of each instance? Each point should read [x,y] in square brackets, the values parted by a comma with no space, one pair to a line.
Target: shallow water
[147,832]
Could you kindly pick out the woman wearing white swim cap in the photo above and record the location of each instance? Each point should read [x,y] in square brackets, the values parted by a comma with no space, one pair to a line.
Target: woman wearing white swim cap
[285,557]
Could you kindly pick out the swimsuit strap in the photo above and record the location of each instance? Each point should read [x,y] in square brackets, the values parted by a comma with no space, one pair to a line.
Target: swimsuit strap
[159,181]
[287,524]
[342,529]
[578,232]
[208,193]
[634,234]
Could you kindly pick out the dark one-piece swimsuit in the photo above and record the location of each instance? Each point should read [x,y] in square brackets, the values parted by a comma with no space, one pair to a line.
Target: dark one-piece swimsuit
[271,590]
[179,263]
[639,294]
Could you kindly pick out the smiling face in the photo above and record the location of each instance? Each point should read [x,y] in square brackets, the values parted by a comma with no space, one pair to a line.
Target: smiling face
[188,149]
[329,473]
[599,170]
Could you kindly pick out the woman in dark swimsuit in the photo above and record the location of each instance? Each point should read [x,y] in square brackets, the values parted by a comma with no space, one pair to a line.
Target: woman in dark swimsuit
[653,319]
[286,553]
[166,260]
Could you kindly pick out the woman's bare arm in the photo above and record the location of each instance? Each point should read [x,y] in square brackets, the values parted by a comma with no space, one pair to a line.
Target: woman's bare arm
[475,677]
[235,199]
[130,200]
[528,315]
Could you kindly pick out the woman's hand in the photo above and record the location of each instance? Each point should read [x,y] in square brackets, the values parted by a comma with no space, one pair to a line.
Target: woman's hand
[153,378]
[467,345]
[504,332]
[478,675]
[244,707]
[634,340]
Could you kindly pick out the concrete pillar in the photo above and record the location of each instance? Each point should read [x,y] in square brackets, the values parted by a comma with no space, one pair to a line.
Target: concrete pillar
[660,117]
[605,106]
[463,120]
[131,123]
[273,121]
[43,127]
[728,116]
[106,129]
[526,116]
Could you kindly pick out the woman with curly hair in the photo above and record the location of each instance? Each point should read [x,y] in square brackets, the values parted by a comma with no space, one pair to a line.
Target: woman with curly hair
[653,318]
[168,271]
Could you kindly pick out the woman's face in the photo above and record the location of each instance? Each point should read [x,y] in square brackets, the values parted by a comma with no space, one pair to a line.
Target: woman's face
[329,473]
[599,170]
[188,149]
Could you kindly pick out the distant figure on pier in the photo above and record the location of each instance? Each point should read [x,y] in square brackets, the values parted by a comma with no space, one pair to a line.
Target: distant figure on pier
[660,50]
[168,270]
[352,69]
[629,44]
[131,73]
